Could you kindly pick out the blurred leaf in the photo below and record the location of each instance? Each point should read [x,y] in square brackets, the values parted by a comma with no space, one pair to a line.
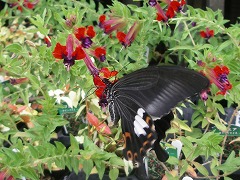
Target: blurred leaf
[201,168]
[14,48]
[87,167]
[113,173]
[100,168]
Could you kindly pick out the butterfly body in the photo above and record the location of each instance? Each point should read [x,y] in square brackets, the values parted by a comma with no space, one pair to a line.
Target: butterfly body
[145,95]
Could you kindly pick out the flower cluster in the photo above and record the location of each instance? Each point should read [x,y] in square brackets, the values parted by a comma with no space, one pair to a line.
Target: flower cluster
[218,76]
[207,34]
[172,8]
[26,3]
[78,47]
[117,24]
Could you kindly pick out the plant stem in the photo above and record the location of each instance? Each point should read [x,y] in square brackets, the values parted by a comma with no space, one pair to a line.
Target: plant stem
[226,135]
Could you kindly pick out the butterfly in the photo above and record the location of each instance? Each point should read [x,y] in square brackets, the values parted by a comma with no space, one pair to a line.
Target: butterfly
[143,100]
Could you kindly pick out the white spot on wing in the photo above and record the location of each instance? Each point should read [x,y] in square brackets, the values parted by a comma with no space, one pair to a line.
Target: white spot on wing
[142,123]
[140,112]
[139,125]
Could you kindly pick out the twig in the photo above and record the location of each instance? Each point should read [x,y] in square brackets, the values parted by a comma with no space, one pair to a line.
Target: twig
[226,135]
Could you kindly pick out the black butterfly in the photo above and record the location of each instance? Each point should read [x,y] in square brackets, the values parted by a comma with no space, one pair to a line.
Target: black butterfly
[146,95]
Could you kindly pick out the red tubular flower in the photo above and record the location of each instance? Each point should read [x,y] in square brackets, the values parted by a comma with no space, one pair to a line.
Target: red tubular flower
[100,126]
[85,35]
[173,7]
[114,23]
[126,39]
[67,53]
[218,76]
[207,34]
[18,81]
[161,16]
[177,6]
[47,40]
[26,3]
[100,53]
[91,67]
[4,175]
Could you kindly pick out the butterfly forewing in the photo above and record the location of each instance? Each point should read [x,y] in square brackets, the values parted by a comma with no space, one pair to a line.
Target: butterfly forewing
[158,89]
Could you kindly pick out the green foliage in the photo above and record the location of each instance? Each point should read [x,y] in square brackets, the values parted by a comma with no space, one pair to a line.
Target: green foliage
[26,58]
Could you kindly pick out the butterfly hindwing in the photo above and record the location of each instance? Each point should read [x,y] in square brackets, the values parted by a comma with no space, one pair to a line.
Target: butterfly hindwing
[137,128]
[139,136]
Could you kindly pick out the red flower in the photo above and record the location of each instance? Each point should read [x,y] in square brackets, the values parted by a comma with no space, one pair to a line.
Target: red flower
[67,53]
[207,34]
[4,176]
[47,40]
[85,35]
[161,16]
[173,7]
[18,81]
[218,76]
[114,23]
[26,3]
[126,39]
[100,126]
[100,53]
[177,6]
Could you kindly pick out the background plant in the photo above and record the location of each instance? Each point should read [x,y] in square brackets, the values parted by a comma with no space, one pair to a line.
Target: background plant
[29,70]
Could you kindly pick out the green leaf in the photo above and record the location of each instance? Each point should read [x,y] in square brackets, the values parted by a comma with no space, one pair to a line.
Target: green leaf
[29,173]
[33,151]
[201,168]
[184,166]
[113,173]
[75,164]
[182,125]
[74,144]
[60,148]
[117,161]
[34,80]
[87,167]
[224,45]
[14,48]
[100,168]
